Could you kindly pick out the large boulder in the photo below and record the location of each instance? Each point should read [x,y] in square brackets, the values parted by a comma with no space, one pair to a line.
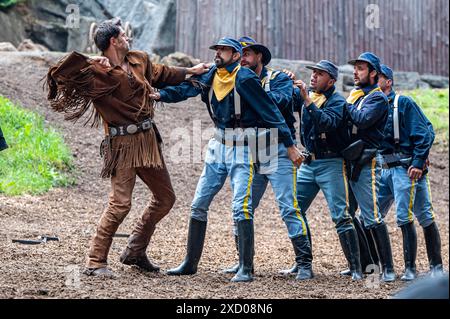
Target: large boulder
[63,25]
[7,47]
[346,69]
[179,59]
[153,22]
[406,80]
[78,38]
[298,67]
[28,45]
[434,81]
[45,58]
[12,24]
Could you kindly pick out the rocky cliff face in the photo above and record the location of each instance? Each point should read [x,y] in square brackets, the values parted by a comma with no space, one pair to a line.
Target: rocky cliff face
[54,24]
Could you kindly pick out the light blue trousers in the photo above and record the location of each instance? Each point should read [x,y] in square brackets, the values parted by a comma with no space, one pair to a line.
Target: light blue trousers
[282,175]
[328,175]
[412,197]
[366,193]
[222,161]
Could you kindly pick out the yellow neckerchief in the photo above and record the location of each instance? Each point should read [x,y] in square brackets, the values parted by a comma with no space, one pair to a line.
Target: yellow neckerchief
[224,82]
[318,99]
[356,94]
[273,75]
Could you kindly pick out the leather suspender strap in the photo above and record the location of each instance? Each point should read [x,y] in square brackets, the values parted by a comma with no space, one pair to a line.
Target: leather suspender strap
[359,107]
[237,107]
[396,122]
[210,107]
[267,81]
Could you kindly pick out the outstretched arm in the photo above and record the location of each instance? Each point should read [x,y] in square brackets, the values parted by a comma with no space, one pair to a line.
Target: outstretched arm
[161,75]
[175,94]
[71,87]
[187,89]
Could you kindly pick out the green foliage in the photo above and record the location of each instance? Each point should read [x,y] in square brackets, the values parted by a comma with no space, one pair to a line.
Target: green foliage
[37,158]
[8,3]
[434,103]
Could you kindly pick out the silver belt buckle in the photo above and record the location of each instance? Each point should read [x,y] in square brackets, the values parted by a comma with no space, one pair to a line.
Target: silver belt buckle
[146,125]
[113,131]
[132,128]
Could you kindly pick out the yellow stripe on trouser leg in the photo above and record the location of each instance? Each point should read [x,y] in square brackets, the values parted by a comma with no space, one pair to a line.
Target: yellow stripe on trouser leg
[411,201]
[297,208]
[247,195]
[429,194]
[344,174]
[374,190]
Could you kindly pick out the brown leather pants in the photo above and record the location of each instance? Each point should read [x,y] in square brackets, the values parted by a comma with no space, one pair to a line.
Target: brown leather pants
[122,184]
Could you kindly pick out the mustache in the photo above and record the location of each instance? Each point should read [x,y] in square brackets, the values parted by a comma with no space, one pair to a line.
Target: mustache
[219,61]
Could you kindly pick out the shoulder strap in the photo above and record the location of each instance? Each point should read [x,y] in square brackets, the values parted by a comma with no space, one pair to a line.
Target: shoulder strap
[359,107]
[210,107]
[237,107]
[396,121]
[267,80]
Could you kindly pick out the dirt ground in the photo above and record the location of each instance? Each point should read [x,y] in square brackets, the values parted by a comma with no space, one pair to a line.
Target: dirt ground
[52,270]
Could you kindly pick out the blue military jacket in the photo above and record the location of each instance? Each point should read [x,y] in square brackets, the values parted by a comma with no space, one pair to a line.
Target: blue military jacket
[323,129]
[371,118]
[416,131]
[281,92]
[257,108]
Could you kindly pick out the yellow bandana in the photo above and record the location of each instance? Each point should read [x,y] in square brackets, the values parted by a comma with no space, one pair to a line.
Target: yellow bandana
[224,82]
[355,95]
[318,99]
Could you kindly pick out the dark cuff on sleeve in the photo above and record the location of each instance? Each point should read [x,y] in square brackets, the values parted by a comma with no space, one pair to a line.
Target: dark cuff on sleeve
[418,163]
[163,96]
[181,74]
[288,141]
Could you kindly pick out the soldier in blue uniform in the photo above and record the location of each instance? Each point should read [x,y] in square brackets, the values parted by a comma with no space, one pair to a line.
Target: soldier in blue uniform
[236,102]
[283,178]
[408,138]
[324,134]
[368,110]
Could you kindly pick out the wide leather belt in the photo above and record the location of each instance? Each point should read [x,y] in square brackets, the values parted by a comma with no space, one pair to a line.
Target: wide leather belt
[130,129]
[327,155]
[243,140]
[230,142]
[396,159]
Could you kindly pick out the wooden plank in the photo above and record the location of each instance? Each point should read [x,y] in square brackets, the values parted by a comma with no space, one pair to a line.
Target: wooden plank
[414,34]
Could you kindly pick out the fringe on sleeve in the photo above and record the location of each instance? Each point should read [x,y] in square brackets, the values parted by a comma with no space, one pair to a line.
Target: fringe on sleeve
[71,88]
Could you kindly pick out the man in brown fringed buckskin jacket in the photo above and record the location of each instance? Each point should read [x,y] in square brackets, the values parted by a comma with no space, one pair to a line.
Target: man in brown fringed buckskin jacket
[118,85]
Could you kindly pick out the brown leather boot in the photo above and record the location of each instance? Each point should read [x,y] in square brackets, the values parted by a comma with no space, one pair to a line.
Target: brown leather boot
[135,253]
[141,261]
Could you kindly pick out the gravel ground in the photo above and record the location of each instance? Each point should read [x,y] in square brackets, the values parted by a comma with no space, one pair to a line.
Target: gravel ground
[52,270]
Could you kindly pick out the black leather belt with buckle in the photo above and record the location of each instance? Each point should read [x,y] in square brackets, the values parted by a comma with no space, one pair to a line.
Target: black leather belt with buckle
[396,159]
[230,142]
[130,129]
[327,155]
